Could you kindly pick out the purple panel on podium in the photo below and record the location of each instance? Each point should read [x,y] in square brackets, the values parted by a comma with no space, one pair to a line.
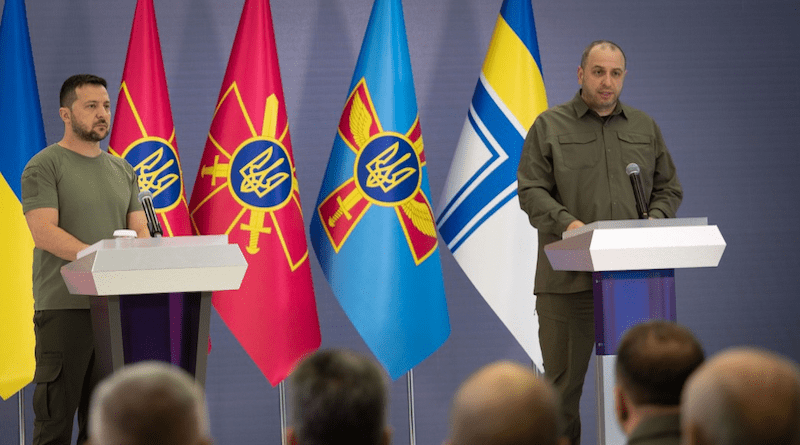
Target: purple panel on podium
[159,327]
[625,298]
[146,328]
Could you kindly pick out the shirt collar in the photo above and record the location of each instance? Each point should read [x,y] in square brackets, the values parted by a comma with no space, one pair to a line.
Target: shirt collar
[581,109]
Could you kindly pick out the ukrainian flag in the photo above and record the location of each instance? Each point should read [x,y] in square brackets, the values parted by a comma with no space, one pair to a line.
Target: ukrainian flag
[481,221]
[23,132]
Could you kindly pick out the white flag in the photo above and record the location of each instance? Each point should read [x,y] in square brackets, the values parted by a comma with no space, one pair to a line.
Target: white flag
[481,221]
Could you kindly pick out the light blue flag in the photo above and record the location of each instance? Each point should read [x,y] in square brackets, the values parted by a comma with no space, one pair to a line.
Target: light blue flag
[373,229]
[23,136]
[481,221]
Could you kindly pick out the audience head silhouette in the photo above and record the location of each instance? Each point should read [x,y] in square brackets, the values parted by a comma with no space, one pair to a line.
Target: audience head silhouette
[742,396]
[505,403]
[149,403]
[340,397]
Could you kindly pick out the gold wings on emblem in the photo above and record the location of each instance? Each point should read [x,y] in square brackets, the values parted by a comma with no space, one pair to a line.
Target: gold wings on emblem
[418,145]
[360,121]
[420,216]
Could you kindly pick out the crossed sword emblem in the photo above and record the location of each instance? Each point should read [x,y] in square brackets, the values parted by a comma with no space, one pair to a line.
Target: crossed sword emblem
[381,174]
[258,180]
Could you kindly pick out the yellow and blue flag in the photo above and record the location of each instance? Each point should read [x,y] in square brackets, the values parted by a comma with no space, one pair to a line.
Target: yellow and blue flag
[373,228]
[481,221]
[23,132]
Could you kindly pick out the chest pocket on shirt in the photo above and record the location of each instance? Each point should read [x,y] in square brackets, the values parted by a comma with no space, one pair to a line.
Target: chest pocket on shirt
[637,148]
[579,151]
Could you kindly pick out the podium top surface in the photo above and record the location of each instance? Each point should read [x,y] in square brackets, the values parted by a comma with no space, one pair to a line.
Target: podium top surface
[154,243]
[156,265]
[635,224]
[638,245]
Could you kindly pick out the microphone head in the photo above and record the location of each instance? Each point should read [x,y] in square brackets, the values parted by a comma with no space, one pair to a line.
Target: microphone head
[631,169]
[145,194]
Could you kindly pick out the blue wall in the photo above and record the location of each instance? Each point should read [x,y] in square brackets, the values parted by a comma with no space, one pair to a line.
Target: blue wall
[720,77]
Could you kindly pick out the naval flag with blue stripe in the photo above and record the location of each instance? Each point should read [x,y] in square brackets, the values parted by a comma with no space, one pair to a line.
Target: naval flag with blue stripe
[373,228]
[480,220]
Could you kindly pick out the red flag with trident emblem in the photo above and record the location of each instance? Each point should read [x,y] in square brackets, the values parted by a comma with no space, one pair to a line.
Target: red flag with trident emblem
[246,187]
[143,131]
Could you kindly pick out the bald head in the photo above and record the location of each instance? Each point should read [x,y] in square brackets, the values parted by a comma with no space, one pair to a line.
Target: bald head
[504,403]
[149,403]
[603,45]
[743,396]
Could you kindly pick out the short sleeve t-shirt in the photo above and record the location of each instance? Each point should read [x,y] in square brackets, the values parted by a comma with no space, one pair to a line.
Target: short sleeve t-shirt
[93,196]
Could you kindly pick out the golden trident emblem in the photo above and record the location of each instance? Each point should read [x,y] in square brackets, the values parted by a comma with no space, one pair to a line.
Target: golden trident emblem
[153,180]
[259,180]
[255,180]
[382,175]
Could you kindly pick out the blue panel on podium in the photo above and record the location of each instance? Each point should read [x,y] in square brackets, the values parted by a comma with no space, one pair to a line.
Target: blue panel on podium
[625,298]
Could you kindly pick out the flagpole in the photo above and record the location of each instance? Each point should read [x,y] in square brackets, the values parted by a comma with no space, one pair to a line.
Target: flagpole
[412,428]
[21,404]
[282,392]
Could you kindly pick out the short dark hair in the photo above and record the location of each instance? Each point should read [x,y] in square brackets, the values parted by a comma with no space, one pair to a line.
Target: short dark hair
[339,397]
[148,402]
[68,94]
[591,46]
[654,360]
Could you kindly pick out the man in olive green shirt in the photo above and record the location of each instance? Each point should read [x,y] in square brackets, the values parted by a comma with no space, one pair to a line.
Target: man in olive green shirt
[571,173]
[73,195]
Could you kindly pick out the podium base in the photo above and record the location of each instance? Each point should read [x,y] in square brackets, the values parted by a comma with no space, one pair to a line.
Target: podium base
[165,327]
[623,299]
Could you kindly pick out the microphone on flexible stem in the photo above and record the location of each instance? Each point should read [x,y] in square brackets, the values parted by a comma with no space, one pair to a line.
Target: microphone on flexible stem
[146,198]
[638,189]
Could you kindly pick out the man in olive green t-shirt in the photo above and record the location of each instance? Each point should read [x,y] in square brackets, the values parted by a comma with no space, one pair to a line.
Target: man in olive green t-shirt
[571,172]
[73,195]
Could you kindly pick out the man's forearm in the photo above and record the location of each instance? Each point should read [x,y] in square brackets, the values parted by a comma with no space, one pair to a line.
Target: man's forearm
[58,242]
[48,236]
[138,221]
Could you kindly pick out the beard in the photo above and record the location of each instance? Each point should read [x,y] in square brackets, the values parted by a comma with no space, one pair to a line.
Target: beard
[88,135]
[597,103]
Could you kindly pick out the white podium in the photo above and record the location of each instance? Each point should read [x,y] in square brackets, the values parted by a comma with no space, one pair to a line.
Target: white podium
[131,324]
[633,266]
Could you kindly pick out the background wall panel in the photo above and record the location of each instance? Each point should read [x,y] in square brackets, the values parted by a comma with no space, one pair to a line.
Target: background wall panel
[719,76]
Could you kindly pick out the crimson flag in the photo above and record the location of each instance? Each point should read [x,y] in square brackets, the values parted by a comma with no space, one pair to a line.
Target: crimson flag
[143,131]
[246,188]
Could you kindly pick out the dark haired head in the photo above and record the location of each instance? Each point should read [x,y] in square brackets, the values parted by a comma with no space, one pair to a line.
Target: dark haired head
[654,360]
[339,397]
[68,94]
[608,43]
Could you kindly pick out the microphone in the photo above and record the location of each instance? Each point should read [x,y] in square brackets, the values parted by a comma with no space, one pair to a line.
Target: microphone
[146,198]
[638,189]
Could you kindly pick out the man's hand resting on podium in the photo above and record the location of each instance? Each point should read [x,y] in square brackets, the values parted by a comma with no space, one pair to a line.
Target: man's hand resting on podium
[574,225]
